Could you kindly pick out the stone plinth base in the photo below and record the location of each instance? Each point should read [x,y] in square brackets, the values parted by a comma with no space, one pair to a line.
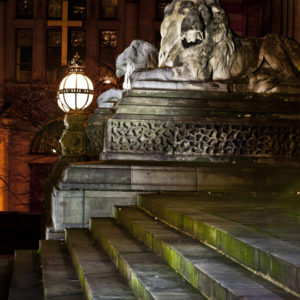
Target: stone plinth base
[92,190]
[205,126]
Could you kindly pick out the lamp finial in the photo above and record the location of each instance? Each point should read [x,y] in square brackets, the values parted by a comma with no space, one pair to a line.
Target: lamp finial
[76,64]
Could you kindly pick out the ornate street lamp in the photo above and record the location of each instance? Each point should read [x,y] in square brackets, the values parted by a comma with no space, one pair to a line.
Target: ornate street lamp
[61,106]
[75,93]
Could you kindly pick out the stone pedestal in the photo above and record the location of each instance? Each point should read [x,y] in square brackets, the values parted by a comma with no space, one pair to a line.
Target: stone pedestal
[93,189]
[204,126]
[181,141]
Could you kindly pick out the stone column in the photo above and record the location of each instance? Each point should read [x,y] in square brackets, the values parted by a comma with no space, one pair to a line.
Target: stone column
[131,23]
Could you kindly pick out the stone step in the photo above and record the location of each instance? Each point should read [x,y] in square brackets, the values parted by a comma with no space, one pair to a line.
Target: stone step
[148,276]
[26,282]
[99,277]
[59,276]
[214,275]
[274,214]
[6,265]
[276,260]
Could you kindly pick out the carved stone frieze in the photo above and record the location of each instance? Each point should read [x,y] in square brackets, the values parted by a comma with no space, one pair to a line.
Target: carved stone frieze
[142,136]
[202,139]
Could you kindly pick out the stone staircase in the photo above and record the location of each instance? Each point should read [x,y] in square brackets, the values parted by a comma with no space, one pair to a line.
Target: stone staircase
[172,246]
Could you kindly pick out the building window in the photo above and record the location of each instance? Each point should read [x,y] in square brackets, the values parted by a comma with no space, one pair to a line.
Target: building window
[54,9]
[24,9]
[53,54]
[24,55]
[76,43]
[160,7]
[109,9]
[77,9]
[108,46]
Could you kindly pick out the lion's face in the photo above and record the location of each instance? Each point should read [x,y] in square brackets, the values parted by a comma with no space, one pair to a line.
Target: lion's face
[190,30]
[192,27]
[184,27]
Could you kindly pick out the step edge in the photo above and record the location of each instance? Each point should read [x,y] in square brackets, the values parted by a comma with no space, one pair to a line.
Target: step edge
[258,272]
[182,257]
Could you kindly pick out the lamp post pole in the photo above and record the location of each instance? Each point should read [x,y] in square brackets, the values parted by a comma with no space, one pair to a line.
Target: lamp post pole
[74,140]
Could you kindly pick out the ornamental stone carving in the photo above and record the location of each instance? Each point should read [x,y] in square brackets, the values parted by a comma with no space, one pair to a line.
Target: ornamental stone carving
[202,139]
[142,136]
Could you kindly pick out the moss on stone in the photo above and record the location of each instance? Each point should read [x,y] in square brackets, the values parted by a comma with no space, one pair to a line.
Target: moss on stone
[187,224]
[171,257]
[264,262]
[278,270]
[139,289]
[188,271]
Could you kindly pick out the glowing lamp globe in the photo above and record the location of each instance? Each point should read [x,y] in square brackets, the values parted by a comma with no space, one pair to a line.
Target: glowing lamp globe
[61,106]
[76,89]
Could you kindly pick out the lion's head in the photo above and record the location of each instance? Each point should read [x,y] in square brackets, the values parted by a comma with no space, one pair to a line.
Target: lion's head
[197,32]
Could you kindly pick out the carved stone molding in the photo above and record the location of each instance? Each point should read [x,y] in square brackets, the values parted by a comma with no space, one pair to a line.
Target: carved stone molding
[201,139]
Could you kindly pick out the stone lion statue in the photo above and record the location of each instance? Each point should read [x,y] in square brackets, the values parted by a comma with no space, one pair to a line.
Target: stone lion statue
[198,45]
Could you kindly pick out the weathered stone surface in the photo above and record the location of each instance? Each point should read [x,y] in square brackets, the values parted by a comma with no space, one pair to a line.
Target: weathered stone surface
[26,281]
[98,276]
[95,131]
[139,55]
[201,266]
[198,45]
[56,235]
[110,98]
[74,208]
[150,82]
[190,125]
[202,139]
[259,251]
[90,190]
[146,274]
[59,276]
[259,106]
